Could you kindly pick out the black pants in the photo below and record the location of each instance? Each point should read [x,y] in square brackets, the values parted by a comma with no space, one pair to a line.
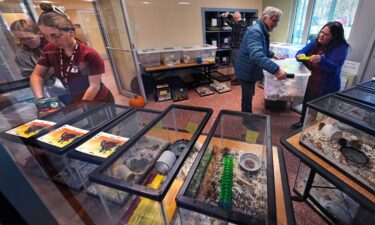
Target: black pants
[248,90]
[309,96]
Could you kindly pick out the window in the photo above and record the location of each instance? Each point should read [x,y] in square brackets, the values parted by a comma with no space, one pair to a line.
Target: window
[311,15]
[299,21]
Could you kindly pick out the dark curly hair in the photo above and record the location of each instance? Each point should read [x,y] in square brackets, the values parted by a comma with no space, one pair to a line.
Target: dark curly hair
[338,37]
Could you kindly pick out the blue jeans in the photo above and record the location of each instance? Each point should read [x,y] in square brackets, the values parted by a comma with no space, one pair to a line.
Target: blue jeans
[248,90]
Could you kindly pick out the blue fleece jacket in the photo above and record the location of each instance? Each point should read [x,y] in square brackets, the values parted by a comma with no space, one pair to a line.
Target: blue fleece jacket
[331,63]
[254,55]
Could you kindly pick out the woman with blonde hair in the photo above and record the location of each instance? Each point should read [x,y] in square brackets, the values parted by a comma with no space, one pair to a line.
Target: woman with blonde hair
[78,66]
[30,44]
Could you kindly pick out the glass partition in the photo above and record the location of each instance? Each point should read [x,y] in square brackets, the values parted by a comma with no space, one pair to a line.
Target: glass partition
[11,11]
[119,44]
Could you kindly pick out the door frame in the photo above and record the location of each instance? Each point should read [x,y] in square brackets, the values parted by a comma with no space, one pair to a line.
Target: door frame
[132,49]
[84,29]
[124,10]
[369,53]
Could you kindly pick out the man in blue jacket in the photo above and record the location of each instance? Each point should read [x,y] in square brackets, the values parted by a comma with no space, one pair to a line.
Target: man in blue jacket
[254,56]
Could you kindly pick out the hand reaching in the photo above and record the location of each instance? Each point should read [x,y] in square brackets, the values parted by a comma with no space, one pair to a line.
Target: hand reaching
[225,14]
[315,59]
[280,74]
[278,57]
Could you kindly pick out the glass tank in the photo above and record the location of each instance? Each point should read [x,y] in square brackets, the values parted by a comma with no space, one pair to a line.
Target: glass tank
[99,146]
[37,126]
[139,182]
[232,177]
[341,132]
[60,138]
[338,206]
[220,83]
[51,148]
[360,94]
[369,84]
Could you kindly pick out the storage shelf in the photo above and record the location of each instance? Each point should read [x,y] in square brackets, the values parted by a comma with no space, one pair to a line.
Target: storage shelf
[218,31]
[223,49]
[217,34]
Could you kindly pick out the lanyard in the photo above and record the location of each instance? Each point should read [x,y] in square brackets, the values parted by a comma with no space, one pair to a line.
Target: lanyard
[64,76]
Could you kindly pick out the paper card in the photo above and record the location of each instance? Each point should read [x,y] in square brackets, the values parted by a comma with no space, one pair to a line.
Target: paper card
[191,127]
[158,126]
[251,136]
[319,116]
[148,211]
[102,144]
[62,136]
[31,128]
[351,67]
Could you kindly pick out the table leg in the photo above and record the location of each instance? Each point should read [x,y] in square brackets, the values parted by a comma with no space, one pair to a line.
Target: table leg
[307,189]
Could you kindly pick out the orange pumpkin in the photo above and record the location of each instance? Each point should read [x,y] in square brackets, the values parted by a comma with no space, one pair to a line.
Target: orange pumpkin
[136,101]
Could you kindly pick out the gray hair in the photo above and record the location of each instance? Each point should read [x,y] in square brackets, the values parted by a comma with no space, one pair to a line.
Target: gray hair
[271,11]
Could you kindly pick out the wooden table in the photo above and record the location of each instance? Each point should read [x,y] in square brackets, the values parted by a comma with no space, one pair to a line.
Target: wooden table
[178,66]
[365,198]
[284,207]
[160,70]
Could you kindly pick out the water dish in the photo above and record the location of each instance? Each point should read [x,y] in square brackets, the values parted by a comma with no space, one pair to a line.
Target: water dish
[249,162]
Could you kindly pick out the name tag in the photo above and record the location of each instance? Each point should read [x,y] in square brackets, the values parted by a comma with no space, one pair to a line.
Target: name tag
[74,69]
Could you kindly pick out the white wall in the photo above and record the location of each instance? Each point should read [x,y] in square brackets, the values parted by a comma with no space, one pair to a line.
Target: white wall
[363,26]
[164,22]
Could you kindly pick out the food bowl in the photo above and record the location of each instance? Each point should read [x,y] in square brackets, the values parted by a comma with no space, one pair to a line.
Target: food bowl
[250,162]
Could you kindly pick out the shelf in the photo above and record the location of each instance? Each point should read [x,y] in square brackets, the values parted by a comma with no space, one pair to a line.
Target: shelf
[220,31]
[223,49]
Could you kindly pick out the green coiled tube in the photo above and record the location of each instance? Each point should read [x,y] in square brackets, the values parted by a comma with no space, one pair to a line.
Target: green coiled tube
[226,182]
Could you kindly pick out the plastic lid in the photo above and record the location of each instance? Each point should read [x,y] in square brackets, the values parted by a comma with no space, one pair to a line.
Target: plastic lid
[147,50]
[207,46]
[170,49]
[291,66]
[189,48]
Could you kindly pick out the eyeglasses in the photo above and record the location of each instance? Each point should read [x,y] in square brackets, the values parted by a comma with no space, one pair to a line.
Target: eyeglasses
[24,39]
[325,34]
[52,8]
[54,36]
[59,11]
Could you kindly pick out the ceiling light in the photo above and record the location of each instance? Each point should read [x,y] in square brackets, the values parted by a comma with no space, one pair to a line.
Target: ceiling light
[146,3]
[184,3]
